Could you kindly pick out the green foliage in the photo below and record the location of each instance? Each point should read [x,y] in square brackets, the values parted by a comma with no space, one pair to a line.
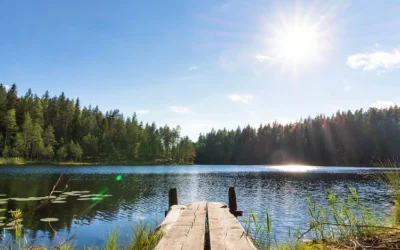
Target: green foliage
[56,128]
[342,219]
[62,153]
[260,231]
[345,138]
[391,178]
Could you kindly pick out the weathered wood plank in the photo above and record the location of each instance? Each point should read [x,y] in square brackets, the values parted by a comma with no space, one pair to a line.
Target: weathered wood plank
[172,216]
[187,232]
[226,232]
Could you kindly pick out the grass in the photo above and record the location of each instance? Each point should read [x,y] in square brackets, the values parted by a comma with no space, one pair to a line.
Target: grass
[391,178]
[343,223]
[144,237]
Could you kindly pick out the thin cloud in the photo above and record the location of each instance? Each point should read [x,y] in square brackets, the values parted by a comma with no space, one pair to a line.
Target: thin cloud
[380,61]
[382,104]
[142,111]
[263,58]
[7,87]
[192,68]
[180,110]
[240,98]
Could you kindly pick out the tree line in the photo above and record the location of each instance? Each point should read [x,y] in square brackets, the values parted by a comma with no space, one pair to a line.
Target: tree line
[58,129]
[345,138]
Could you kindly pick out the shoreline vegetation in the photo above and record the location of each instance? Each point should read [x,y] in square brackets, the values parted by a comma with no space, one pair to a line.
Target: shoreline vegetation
[17,161]
[57,129]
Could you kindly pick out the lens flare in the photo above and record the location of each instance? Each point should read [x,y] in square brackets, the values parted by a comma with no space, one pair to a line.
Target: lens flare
[119,177]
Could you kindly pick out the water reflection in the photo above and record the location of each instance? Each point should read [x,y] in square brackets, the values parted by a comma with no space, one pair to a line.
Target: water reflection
[141,194]
[295,168]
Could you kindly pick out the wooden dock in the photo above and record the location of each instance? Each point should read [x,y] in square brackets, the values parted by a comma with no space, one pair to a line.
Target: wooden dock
[203,226]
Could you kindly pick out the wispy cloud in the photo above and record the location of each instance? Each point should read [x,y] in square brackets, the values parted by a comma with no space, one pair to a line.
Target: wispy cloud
[7,87]
[180,109]
[382,104]
[142,111]
[380,61]
[192,68]
[240,98]
[263,58]
[378,45]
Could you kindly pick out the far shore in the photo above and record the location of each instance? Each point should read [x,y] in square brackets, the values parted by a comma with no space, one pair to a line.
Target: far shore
[23,162]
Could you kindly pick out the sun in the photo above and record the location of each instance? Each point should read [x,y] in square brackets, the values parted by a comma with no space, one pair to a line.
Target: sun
[297,43]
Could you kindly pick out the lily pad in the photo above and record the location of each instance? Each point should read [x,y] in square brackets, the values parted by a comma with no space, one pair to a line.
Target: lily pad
[96,198]
[3,195]
[2,210]
[49,219]
[3,202]
[3,218]
[72,194]
[107,195]
[23,199]
[58,202]
[85,196]
[9,228]
[57,191]
[81,192]
[11,224]
[84,199]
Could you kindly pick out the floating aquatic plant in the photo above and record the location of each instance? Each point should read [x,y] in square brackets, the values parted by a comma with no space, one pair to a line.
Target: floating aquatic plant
[49,219]
[58,202]
[72,194]
[85,196]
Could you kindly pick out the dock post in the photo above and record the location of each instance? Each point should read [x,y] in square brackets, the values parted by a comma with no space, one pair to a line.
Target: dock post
[172,199]
[232,203]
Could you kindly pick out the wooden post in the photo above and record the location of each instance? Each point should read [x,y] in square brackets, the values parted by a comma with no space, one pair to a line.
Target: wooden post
[232,199]
[172,197]
[232,203]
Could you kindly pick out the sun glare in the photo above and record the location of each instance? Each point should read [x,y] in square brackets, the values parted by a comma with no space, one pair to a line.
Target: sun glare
[297,40]
[295,168]
[297,43]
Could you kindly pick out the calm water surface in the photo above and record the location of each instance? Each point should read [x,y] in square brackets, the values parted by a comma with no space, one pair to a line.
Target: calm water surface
[142,195]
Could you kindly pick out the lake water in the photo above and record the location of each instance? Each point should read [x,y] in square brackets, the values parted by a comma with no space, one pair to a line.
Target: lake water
[140,193]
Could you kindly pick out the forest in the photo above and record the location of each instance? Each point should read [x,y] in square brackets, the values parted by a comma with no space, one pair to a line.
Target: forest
[343,139]
[57,129]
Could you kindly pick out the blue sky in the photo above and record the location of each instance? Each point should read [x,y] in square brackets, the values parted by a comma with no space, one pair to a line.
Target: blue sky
[205,64]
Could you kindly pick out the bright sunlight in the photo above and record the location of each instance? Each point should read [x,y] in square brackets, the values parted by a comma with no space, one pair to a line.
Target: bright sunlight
[295,168]
[297,43]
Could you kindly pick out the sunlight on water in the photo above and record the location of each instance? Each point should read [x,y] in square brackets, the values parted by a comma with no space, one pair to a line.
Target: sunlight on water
[295,168]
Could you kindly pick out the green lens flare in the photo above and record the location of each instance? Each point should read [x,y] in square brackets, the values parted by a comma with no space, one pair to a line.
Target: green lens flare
[119,177]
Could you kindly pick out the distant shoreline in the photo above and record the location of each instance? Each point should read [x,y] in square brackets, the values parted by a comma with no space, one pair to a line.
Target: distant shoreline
[22,162]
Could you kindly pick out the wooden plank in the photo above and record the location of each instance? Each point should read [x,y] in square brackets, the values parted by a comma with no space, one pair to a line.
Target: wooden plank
[188,231]
[172,216]
[226,232]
